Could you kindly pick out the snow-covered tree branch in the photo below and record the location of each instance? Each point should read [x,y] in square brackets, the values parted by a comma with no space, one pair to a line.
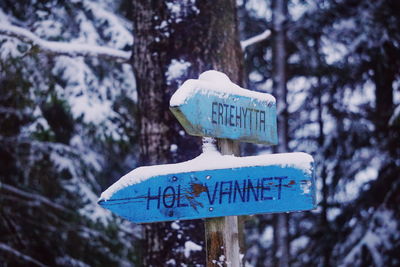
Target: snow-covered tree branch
[25,258]
[75,49]
[64,48]
[255,39]
[32,197]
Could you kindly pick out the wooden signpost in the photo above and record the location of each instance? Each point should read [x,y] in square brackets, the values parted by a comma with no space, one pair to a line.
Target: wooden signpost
[214,184]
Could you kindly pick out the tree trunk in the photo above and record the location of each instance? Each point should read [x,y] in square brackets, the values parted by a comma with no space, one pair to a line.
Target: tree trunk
[175,41]
[384,69]
[279,15]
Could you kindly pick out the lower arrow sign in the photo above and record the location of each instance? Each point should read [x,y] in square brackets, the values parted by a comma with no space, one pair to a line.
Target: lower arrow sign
[213,186]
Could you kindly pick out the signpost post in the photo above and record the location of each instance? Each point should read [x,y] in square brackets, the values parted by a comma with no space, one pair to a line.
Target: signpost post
[222,233]
[218,186]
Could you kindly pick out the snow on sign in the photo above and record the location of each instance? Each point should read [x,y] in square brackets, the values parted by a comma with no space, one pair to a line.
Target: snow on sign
[213,106]
[213,185]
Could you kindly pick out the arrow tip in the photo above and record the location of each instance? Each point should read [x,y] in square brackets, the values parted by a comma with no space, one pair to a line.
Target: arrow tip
[101,201]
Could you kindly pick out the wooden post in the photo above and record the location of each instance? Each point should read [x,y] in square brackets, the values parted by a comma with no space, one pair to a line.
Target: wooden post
[222,237]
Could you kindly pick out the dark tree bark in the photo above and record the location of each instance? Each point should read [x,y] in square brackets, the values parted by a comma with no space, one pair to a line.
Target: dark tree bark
[279,16]
[200,33]
[384,74]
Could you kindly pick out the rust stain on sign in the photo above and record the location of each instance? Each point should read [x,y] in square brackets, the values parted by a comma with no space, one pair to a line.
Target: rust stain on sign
[197,189]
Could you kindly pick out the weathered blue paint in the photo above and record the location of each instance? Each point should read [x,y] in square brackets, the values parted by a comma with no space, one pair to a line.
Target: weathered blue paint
[230,116]
[215,193]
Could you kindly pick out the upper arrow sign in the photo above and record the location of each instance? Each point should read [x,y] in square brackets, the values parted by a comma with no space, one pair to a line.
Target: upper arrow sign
[214,106]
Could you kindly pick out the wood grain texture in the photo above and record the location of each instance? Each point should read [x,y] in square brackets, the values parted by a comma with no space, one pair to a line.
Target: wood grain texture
[222,234]
[222,239]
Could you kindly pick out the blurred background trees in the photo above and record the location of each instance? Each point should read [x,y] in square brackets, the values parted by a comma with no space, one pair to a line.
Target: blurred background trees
[67,129]
[343,88]
[70,126]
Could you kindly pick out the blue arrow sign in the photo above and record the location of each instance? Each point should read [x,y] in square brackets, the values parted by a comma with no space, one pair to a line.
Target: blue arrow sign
[213,106]
[215,192]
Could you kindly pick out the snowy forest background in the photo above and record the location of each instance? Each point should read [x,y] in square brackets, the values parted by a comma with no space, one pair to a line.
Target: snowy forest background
[69,128]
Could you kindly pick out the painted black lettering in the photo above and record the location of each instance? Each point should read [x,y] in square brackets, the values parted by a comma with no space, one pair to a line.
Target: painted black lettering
[231,116]
[214,112]
[220,113]
[149,197]
[211,200]
[238,117]
[256,111]
[241,191]
[225,192]
[280,185]
[180,198]
[226,113]
[265,188]
[251,114]
[166,196]
[244,110]
[262,119]
[251,188]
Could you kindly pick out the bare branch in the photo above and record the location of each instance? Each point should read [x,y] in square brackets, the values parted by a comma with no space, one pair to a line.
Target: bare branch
[32,197]
[64,48]
[255,39]
[20,255]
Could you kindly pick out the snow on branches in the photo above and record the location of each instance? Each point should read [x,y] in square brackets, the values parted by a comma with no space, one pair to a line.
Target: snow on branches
[64,48]
[255,39]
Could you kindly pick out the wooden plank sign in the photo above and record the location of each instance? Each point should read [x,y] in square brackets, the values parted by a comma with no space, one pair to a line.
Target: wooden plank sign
[258,184]
[213,106]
